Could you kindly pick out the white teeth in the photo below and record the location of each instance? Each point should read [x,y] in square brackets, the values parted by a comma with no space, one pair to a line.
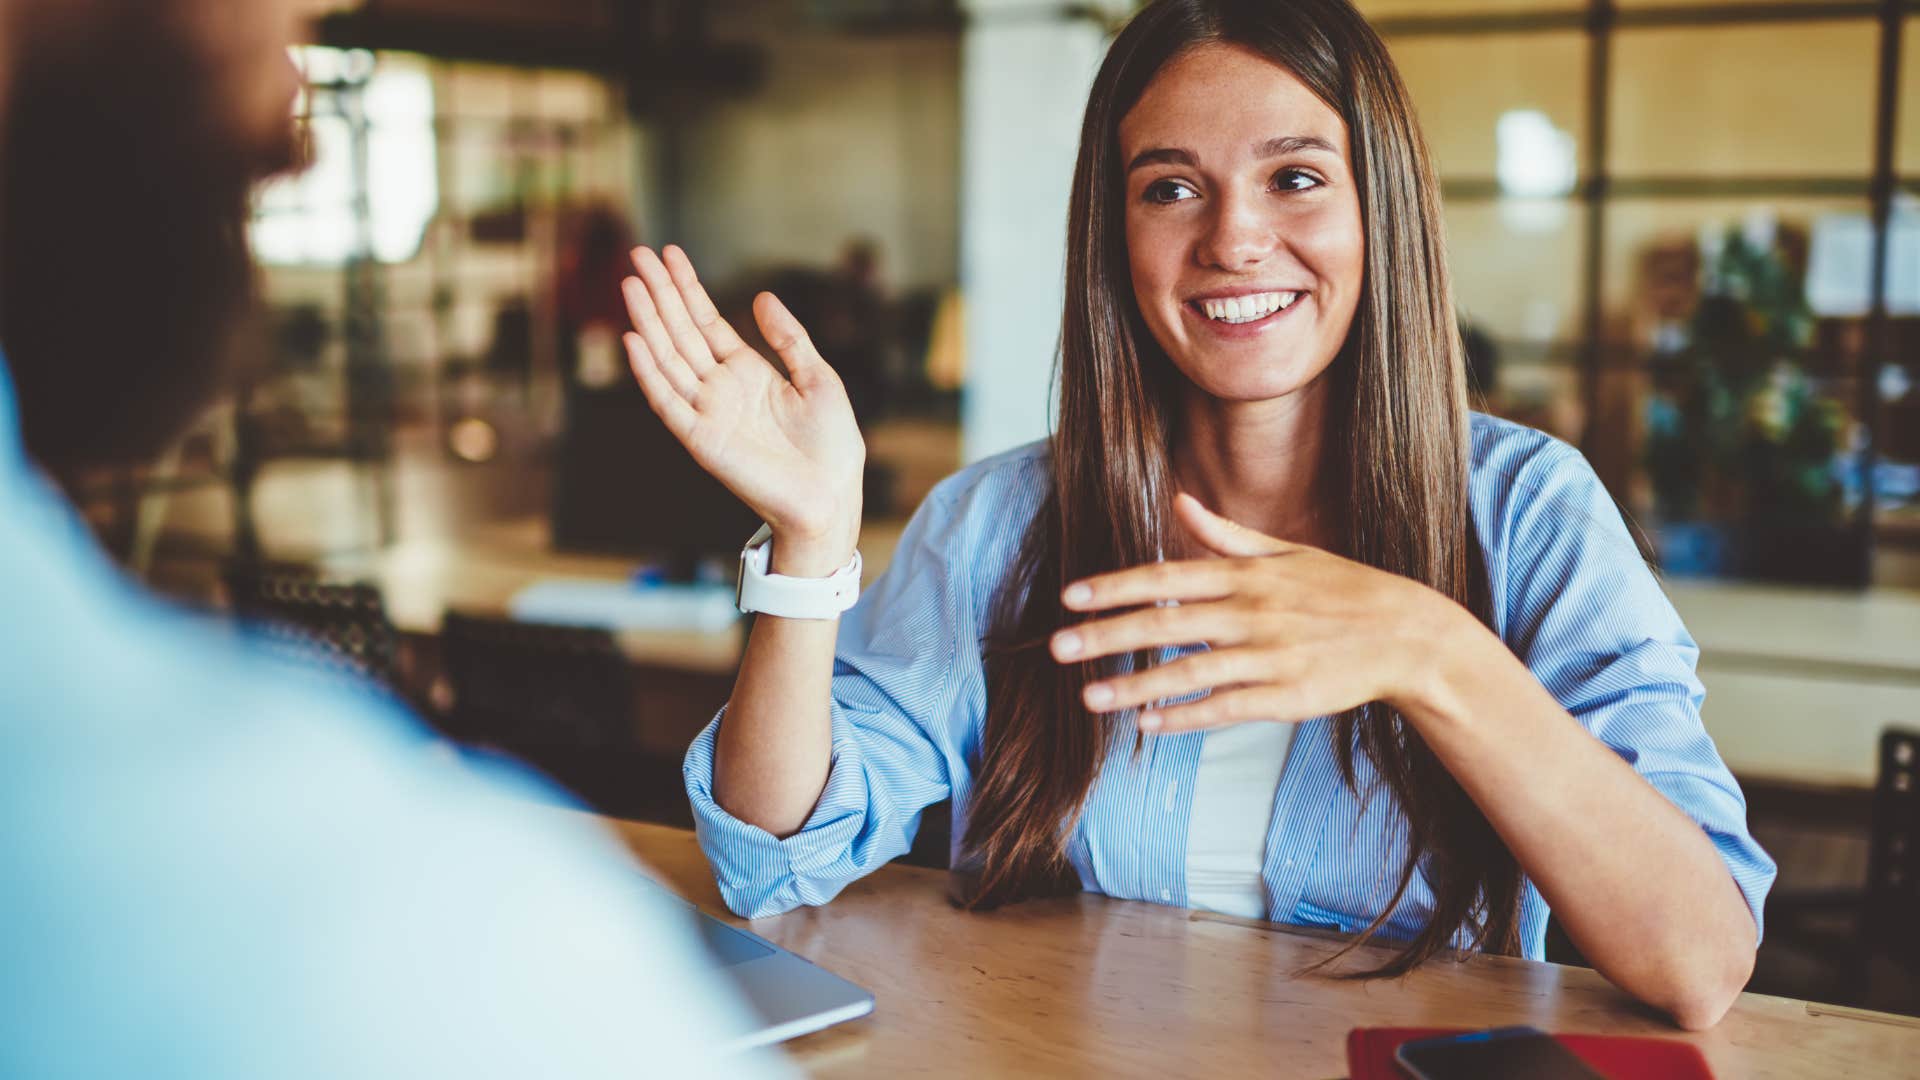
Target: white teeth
[1244,309]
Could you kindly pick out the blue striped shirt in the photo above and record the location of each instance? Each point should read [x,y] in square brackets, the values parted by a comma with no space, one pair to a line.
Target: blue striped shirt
[1572,599]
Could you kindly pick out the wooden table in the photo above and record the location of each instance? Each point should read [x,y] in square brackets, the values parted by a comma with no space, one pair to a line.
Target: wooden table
[1089,986]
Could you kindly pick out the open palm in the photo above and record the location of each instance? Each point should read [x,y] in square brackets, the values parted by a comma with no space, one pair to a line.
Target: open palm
[785,443]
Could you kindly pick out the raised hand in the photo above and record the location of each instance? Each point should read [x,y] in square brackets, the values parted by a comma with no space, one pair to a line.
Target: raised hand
[785,443]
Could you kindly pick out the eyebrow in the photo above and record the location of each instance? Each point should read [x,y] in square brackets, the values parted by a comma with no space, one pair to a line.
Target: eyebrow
[1279,146]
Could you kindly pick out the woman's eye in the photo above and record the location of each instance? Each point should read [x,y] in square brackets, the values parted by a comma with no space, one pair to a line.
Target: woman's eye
[1296,180]
[1167,191]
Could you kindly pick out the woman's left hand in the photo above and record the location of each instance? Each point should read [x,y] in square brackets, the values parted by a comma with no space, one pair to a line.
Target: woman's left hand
[1294,632]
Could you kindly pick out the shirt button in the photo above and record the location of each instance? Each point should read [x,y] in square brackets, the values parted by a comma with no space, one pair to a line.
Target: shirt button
[1166,896]
[1289,862]
[1173,788]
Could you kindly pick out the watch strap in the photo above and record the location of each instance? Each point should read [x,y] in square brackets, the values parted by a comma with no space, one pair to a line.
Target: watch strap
[761,590]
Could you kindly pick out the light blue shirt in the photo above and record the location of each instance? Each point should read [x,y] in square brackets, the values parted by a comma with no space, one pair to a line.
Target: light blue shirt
[1572,598]
[215,868]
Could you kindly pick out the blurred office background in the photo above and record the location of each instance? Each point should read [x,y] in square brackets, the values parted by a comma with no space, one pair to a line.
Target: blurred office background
[1685,237]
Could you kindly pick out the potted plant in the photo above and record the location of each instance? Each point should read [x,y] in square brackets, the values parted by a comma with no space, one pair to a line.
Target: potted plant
[1744,447]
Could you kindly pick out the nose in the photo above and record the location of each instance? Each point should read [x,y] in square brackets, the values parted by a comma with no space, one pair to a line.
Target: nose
[1239,235]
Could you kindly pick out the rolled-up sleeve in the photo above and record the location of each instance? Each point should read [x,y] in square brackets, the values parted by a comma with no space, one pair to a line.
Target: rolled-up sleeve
[898,667]
[1587,616]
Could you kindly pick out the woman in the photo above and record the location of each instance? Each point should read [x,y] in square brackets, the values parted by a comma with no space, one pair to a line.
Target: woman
[1407,676]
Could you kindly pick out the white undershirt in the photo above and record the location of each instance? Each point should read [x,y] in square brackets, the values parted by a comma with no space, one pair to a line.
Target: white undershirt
[1233,798]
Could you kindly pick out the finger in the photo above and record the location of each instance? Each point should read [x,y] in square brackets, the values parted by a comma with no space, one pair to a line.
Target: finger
[1192,579]
[720,337]
[1215,624]
[1210,670]
[673,310]
[1226,707]
[1221,536]
[790,340]
[673,409]
[653,333]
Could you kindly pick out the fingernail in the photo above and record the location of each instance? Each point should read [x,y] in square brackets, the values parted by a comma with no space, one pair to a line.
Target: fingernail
[1066,644]
[1149,721]
[1099,695]
[1078,594]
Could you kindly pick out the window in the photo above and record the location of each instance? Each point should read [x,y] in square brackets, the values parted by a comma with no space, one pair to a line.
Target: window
[1743,157]
[356,104]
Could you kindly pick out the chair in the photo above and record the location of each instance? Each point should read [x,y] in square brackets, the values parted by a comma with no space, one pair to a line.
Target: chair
[561,698]
[518,685]
[1892,908]
[337,627]
[1883,918]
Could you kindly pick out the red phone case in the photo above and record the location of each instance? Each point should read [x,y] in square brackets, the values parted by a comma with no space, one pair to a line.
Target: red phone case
[1370,1054]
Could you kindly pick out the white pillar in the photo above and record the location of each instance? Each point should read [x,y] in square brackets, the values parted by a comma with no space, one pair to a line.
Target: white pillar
[1025,70]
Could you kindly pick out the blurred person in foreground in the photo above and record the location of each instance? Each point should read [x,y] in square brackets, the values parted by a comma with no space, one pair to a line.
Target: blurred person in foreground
[214,868]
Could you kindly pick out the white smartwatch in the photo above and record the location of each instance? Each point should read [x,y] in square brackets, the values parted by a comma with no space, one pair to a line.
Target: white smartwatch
[792,597]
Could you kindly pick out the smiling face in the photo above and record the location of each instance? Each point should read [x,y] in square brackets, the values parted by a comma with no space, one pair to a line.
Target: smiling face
[1244,233]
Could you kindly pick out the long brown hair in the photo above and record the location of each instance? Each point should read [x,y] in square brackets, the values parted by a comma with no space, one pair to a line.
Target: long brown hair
[1399,442]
